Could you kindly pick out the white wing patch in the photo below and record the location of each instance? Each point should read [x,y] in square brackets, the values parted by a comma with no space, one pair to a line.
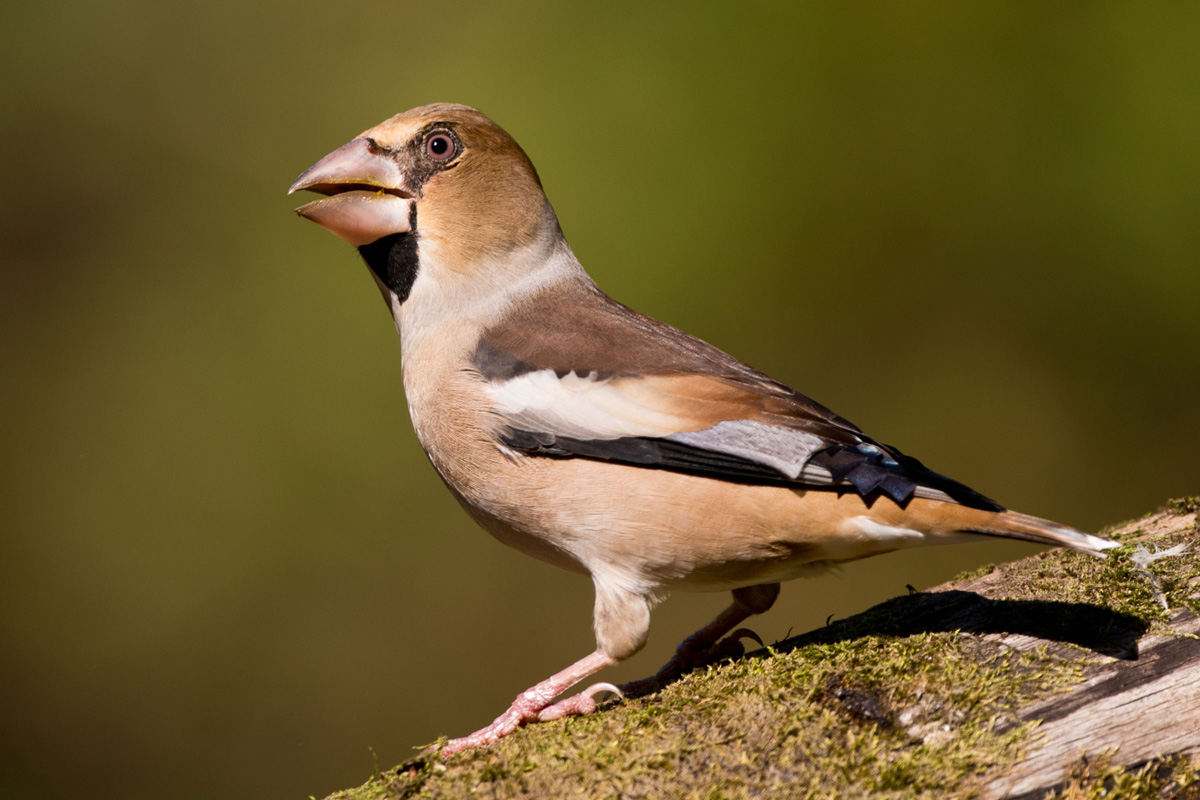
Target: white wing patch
[585,407]
[589,408]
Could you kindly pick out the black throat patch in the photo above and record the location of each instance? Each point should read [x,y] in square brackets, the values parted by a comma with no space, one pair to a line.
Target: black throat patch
[394,259]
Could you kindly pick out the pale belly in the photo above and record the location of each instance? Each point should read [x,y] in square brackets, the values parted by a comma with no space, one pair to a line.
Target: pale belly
[654,529]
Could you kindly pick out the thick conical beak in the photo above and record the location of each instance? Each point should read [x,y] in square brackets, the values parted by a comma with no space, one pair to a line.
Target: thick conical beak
[367,198]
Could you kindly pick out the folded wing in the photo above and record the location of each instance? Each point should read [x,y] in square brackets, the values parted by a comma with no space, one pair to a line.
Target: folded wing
[629,389]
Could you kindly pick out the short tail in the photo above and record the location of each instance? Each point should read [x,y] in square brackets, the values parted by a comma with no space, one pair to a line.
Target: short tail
[1013,525]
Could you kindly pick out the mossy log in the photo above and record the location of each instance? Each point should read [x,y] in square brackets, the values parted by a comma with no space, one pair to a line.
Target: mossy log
[1059,675]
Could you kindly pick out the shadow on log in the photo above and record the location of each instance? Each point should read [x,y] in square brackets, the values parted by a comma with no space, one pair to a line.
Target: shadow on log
[1101,630]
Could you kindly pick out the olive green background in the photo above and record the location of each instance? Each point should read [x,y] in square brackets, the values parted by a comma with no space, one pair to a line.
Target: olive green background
[226,568]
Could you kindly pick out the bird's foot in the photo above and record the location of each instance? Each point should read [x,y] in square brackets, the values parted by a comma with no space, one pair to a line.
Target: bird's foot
[537,704]
[530,707]
[692,654]
[730,647]
[524,709]
[578,704]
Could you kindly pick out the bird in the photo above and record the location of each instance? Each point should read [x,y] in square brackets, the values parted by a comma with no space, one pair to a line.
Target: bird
[598,439]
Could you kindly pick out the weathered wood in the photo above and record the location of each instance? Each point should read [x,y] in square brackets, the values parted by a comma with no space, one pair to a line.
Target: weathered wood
[1142,710]
[1137,709]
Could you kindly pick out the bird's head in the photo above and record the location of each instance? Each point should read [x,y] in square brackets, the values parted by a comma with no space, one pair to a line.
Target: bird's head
[439,190]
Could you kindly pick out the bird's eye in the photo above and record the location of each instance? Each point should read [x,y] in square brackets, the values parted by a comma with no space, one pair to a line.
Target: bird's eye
[440,147]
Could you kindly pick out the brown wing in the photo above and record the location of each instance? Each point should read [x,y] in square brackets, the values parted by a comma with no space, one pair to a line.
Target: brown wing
[588,333]
[603,381]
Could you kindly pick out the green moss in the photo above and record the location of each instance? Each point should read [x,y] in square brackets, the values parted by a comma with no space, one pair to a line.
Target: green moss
[1183,505]
[978,572]
[892,703]
[792,724]
[1095,778]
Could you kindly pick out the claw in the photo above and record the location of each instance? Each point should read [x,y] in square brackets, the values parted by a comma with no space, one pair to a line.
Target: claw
[579,704]
[729,647]
[595,688]
[746,633]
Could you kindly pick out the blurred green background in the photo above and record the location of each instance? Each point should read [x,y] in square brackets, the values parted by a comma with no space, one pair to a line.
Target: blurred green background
[226,568]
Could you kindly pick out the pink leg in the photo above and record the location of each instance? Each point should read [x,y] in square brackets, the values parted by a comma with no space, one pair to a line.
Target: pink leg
[537,703]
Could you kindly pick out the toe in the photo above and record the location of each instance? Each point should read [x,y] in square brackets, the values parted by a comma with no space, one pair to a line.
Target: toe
[579,704]
[746,633]
[730,647]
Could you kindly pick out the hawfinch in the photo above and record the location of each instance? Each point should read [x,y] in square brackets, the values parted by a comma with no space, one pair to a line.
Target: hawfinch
[595,438]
